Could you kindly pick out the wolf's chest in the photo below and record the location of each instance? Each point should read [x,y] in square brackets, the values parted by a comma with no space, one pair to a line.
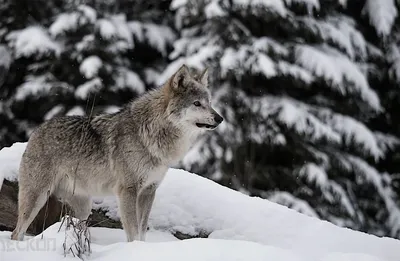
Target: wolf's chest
[181,147]
[153,176]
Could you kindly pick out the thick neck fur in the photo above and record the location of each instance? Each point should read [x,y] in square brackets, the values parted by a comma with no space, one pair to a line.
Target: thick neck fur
[146,120]
[155,129]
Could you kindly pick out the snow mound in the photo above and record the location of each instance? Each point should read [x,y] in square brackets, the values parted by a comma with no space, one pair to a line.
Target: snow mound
[239,227]
[107,244]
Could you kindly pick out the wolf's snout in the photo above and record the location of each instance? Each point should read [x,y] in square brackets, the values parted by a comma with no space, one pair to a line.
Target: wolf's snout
[218,119]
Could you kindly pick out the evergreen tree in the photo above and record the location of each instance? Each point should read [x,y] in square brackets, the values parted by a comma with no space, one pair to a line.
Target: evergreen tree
[83,61]
[297,85]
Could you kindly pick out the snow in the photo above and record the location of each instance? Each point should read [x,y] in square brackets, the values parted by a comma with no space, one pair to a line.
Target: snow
[265,65]
[160,246]
[76,110]
[204,54]
[295,71]
[157,36]
[267,44]
[151,75]
[198,61]
[178,3]
[88,12]
[382,15]
[123,31]
[214,9]
[111,109]
[90,66]
[341,31]
[83,91]
[317,124]
[32,41]
[348,27]
[239,227]
[314,173]
[276,5]
[386,142]
[136,28]
[394,59]
[106,29]
[301,120]
[39,85]
[32,86]
[188,46]
[5,63]
[128,79]
[69,22]
[287,199]
[330,190]
[313,123]
[86,43]
[246,58]
[5,59]
[339,70]
[10,158]
[353,133]
[368,174]
[64,23]
[53,112]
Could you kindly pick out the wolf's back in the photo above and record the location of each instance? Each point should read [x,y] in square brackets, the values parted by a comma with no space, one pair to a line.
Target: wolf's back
[68,136]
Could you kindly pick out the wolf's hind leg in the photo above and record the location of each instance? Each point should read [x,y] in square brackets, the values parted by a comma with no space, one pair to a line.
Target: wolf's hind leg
[30,200]
[127,198]
[145,202]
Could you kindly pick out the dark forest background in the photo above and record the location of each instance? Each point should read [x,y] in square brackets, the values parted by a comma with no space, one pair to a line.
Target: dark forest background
[310,89]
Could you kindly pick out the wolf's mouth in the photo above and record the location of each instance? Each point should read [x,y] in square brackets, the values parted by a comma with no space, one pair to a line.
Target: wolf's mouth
[205,125]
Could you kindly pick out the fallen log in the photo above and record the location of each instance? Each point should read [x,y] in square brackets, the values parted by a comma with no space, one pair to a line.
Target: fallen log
[52,212]
[9,210]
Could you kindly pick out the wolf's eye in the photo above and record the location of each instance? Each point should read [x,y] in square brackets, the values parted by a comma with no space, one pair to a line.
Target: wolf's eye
[197,103]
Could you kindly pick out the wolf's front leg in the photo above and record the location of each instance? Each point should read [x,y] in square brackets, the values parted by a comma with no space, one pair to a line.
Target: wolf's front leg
[127,197]
[145,202]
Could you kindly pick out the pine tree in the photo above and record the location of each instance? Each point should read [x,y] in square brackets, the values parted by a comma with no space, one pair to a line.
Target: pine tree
[16,15]
[83,61]
[295,82]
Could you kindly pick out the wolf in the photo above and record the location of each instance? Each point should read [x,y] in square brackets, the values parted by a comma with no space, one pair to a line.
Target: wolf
[126,154]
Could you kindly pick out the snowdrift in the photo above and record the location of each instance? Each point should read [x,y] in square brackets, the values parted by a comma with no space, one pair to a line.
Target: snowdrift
[239,227]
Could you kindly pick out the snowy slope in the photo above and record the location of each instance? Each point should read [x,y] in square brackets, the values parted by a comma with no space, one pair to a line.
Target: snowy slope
[239,227]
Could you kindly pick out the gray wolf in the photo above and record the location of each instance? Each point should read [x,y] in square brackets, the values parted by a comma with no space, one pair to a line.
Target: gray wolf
[125,154]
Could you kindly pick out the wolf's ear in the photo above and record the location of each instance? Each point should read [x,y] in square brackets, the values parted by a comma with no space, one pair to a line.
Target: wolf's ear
[204,77]
[180,76]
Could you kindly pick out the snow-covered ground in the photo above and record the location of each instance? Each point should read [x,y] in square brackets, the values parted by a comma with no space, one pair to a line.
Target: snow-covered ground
[239,228]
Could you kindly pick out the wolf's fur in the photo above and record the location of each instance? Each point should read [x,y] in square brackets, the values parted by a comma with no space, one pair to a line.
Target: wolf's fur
[126,153]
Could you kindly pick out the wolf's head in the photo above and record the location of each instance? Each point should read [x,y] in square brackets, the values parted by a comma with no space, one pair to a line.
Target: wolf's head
[189,101]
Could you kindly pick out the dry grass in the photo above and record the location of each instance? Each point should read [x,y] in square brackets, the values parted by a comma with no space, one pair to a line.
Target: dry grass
[77,237]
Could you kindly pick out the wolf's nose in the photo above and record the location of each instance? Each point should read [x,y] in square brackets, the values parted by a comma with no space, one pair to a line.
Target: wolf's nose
[218,119]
